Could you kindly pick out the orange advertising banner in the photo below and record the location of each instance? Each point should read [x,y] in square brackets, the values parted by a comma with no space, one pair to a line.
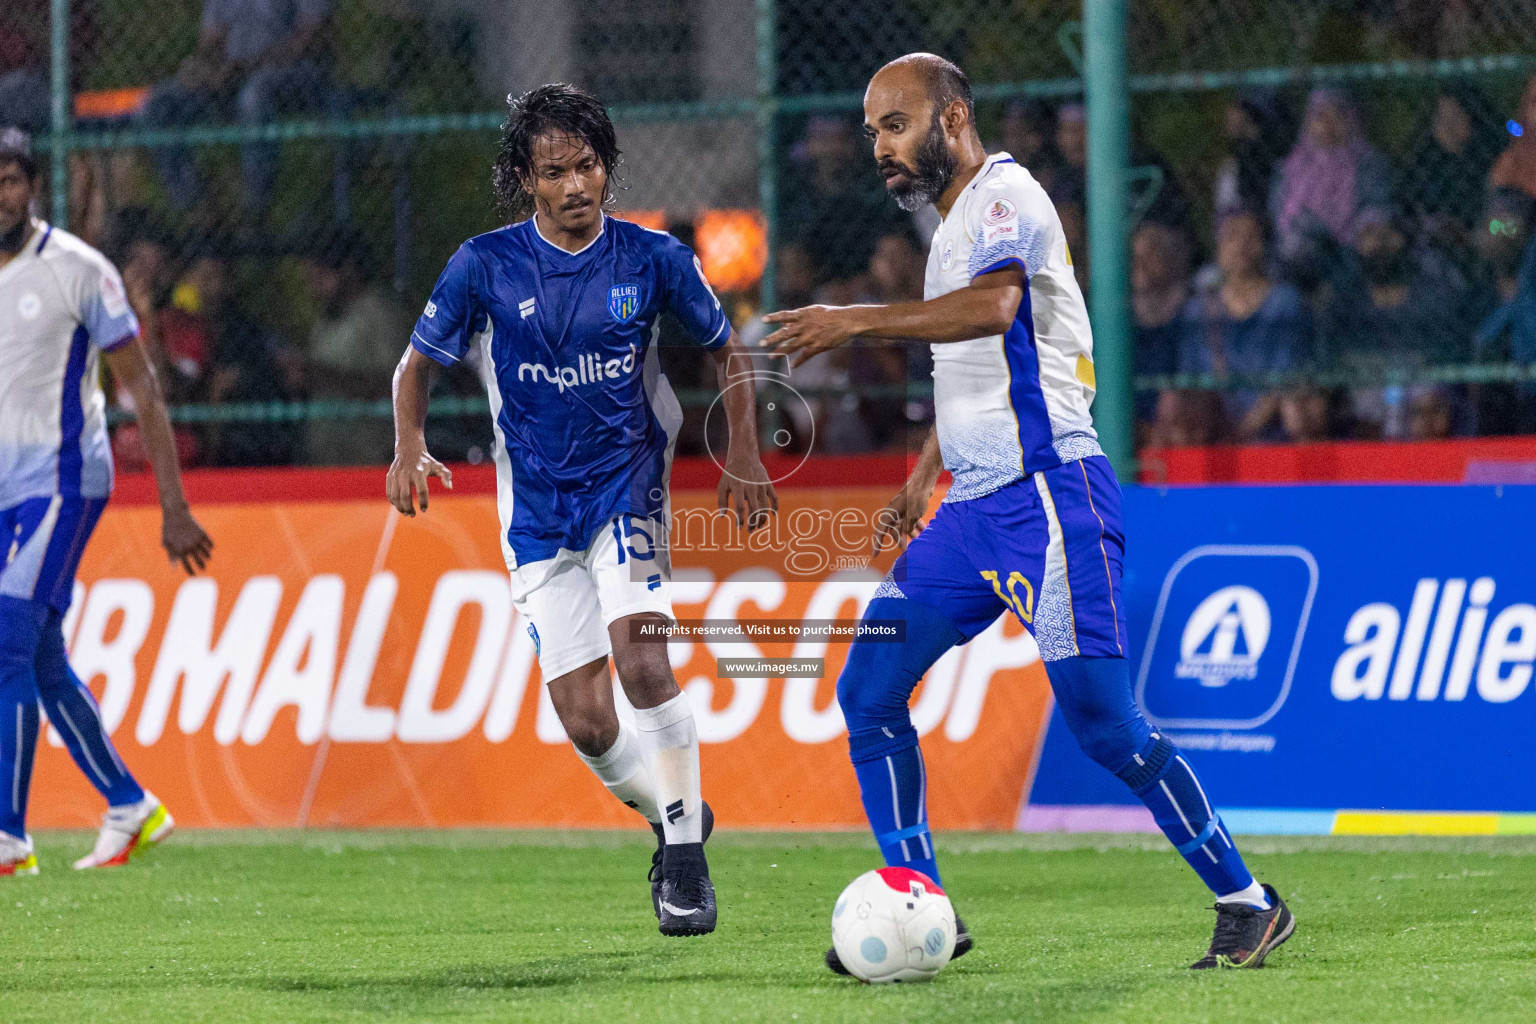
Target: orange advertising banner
[340,665]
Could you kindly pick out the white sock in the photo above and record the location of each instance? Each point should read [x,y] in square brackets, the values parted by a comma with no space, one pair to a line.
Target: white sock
[622,769]
[670,743]
[1253,896]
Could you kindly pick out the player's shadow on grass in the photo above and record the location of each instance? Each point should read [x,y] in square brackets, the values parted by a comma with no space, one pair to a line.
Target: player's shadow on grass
[549,972]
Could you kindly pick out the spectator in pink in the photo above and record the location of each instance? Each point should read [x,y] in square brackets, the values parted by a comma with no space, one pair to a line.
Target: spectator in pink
[1329,177]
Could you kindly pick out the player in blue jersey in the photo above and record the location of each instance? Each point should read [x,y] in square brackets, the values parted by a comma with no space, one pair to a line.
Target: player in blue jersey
[562,308]
[63,308]
[1031,523]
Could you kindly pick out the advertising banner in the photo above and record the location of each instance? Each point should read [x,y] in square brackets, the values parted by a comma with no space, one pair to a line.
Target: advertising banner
[1331,659]
[340,665]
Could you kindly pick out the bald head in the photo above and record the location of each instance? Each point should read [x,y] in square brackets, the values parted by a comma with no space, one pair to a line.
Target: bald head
[939,81]
[919,113]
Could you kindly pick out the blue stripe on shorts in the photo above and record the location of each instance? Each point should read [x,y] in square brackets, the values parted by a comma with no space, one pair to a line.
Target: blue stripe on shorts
[43,539]
[1048,547]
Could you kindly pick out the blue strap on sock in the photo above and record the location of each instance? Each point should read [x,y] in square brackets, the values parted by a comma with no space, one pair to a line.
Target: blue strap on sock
[1200,840]
[1095,697]
[892,788]
[1179,805]
[876,683]
[910,832]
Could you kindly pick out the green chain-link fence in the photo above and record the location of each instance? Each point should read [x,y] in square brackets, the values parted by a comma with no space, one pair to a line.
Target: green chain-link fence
[1359,173]
[1325,203]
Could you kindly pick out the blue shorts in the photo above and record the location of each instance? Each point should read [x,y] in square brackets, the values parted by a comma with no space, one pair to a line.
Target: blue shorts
[43,540]
[1048,547]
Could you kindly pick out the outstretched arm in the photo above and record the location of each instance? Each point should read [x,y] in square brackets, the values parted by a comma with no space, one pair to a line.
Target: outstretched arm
[181,536]
[407,479]
[744,486]
[902,517]
[985,307]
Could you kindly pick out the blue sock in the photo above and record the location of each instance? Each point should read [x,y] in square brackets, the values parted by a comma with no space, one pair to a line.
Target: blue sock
[893,789]
[75,714]
[875,685]
[1095,698]
[21,624]
[1167,785]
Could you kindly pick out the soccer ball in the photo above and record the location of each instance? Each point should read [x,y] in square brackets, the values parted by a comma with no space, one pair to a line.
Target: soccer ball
[894,924]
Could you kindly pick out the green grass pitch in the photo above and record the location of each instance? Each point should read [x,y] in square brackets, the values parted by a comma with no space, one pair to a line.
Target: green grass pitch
[515,926]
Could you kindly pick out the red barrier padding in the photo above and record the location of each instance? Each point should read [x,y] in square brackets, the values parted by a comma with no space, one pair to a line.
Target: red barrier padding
[1477,460]
[223,486]
[1464,460]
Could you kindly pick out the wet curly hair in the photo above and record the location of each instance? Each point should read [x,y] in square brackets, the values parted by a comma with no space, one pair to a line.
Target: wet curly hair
[557,111]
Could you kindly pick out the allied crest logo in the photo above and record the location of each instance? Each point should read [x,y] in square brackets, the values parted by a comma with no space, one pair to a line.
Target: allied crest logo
[624,302]
[1225,637]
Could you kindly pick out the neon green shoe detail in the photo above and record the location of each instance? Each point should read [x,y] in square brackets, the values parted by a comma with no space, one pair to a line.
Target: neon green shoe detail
[153,830]
[28,866]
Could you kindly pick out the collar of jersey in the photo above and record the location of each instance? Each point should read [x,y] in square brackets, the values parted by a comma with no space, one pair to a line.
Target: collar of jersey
[28,249]
[602,226]
[986,168]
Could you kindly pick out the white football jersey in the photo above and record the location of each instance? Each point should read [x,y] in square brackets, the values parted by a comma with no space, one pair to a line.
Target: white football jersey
[1017,403]
[61,304]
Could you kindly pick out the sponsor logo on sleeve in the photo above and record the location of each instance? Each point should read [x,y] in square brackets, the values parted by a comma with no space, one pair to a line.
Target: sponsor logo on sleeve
[430,311]
[999,223]
[995,233]
[113,299]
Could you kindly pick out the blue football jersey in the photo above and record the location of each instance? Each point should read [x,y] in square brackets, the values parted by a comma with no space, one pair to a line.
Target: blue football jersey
[584,417]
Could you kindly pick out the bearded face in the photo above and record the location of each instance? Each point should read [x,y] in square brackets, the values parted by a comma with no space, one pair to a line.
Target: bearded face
[931,168]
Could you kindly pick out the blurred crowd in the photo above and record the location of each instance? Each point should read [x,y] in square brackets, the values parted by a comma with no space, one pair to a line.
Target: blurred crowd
[211,350]
[1303,253]
[1328,259]
[1311,257]
[236,310]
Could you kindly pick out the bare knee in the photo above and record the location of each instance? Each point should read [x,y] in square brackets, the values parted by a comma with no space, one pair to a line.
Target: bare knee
[647,678]
[644,669]
[583,700]
[590,731]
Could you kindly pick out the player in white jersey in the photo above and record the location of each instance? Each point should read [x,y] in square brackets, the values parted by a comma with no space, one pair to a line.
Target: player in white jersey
[1031,524]
[61,306]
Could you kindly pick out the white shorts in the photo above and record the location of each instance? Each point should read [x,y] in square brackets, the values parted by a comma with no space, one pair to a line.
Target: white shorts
[569,601]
